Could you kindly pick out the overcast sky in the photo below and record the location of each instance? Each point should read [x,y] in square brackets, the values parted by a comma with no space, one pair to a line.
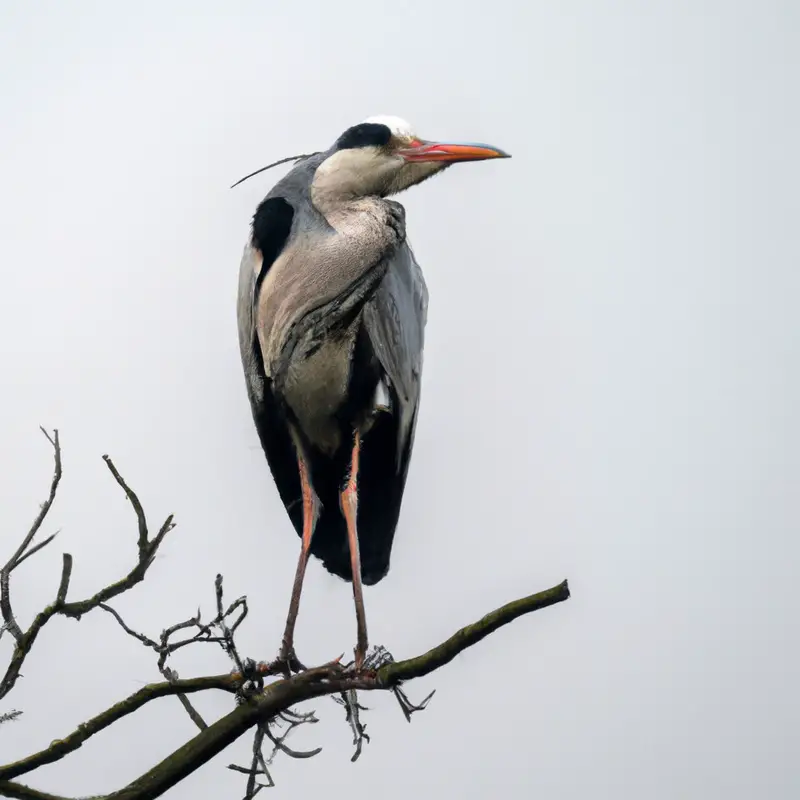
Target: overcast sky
[610,385]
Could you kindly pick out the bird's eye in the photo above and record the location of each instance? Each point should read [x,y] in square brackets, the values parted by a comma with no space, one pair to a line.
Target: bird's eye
[400,143]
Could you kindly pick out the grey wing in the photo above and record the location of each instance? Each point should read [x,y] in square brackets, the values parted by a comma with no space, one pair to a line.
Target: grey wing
[395,319]
[249,269]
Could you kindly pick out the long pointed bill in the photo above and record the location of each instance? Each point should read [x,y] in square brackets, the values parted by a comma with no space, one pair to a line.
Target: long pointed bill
[450,151]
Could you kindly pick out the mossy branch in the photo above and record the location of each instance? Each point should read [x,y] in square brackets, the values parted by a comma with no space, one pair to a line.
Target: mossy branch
[276,698]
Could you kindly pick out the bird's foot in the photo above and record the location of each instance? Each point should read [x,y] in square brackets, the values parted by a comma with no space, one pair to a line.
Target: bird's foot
[378,657]
[287,662]
[371,661]
[250,675]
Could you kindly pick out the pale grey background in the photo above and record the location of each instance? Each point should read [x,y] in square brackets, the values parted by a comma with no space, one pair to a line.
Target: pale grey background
[610,389]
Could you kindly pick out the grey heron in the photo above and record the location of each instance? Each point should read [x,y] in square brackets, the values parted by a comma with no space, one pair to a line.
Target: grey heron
[331,312]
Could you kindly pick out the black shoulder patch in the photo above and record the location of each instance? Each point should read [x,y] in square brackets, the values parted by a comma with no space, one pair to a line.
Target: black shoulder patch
[364,135]
[272,224]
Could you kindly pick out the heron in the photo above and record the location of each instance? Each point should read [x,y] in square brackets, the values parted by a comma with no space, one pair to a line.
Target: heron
[331,310]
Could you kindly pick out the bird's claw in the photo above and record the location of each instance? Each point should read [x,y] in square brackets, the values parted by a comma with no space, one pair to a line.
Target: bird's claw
[367,664]
[379,657]
[287,662]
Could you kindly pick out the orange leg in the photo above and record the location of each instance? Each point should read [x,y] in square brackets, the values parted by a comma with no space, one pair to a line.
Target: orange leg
[349,502]
[309,520]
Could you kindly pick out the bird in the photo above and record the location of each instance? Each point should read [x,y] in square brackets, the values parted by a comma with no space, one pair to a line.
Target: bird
[331,313]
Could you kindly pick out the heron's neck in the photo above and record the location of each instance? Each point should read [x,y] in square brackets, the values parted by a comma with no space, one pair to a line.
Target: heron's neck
[343,206]
[348,177]
[336,204]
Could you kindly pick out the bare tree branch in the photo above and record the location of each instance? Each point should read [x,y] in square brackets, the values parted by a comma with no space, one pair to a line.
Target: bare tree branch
[279,741]
[264,709]
[10,624]
[394,674]
[63,585]
[164,647]
[259,767]
[276,698]
[137,506]
[36,548]
[46,506]
[61,747]
[76,609]
[353,709]
[194,714]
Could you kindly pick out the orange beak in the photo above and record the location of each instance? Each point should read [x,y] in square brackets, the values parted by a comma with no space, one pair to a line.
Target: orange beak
[450,151]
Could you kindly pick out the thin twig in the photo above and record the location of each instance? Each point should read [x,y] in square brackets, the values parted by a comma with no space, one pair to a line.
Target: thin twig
[76,609]
[140,636]
[349,699]
[36,548]
[164,647]
[63,586]
[9,622]
[194,715]
[406,706]
[45,507]
[258,767]
[229,645]
[279,742]
[137,506]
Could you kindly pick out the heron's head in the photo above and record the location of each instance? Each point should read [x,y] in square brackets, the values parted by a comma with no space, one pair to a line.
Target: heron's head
[383,156]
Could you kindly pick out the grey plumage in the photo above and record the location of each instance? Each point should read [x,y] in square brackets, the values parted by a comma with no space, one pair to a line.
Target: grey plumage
[332,307]
[331,280]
